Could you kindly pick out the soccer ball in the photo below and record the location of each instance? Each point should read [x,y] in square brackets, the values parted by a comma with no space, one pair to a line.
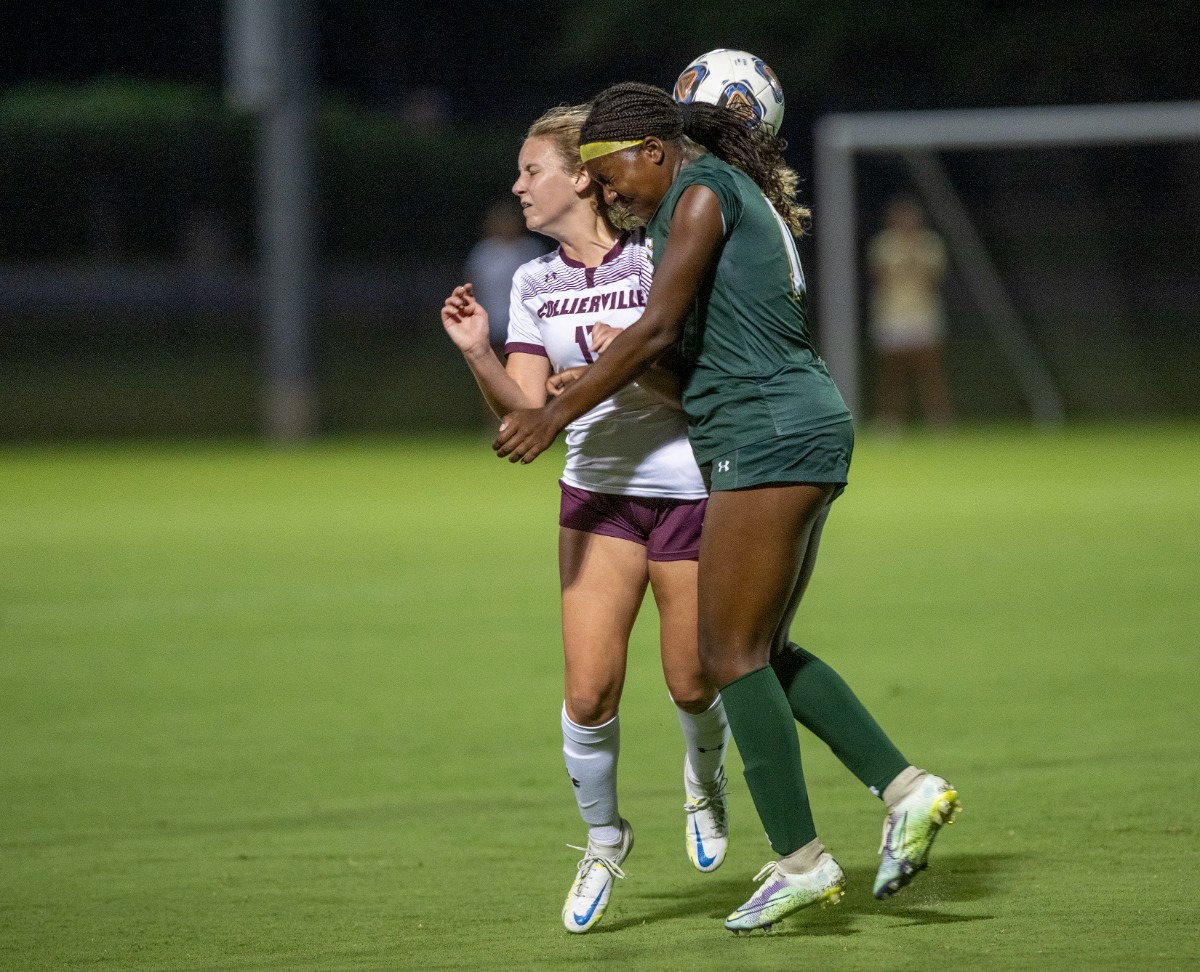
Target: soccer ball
[737,80]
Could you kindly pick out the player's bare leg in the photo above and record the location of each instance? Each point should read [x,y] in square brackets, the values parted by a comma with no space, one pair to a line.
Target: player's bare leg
[701,714]
[808,564]
[673,584]
[751,558]
[603,582]
[752,551]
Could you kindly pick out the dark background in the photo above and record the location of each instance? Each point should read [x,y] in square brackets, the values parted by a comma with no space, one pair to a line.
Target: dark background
[127,240]
[502,60]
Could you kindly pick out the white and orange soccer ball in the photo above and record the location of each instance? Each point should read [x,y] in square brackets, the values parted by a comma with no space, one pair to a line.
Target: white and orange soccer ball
[734,79]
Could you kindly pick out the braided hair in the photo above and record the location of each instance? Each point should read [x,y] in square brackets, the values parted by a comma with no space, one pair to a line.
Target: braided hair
[633,110]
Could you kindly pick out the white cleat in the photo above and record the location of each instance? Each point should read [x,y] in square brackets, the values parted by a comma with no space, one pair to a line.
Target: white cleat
[707,823]
[600,867]
[783,894]
[909,830]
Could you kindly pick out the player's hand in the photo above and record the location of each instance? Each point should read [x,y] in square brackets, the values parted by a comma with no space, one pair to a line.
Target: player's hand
[526,433]
[602,335]
[465,321]
[557,384]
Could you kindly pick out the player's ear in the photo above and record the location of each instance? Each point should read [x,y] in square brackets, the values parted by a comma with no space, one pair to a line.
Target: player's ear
[582,179]
[653,148]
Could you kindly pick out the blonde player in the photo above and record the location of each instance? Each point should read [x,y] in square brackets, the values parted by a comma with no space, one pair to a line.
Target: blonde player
[632,501]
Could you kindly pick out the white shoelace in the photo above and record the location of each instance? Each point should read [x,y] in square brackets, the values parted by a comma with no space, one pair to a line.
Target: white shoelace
[710,801]
[767,871]
[590,858]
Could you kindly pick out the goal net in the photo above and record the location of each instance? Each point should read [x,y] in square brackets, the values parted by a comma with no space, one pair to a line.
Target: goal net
[1074,242]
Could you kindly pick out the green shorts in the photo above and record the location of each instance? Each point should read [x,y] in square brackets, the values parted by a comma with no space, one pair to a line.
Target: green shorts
[816,456]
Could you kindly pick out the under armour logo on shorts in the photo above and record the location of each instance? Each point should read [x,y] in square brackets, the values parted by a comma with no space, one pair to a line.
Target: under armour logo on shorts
[723,465]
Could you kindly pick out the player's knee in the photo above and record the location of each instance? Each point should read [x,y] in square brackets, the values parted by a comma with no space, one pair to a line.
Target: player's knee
[693,696]
[713,663]
[724,659]
[588,707]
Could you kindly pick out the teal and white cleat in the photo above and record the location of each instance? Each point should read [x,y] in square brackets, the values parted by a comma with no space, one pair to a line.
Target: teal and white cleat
[707,830]
[784,894]
[909,830]
[601,865]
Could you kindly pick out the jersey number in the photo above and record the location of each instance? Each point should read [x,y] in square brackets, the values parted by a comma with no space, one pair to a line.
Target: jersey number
[789,244]
[583,335]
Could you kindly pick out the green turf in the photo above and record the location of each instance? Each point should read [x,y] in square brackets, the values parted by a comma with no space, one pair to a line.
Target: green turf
[299,710]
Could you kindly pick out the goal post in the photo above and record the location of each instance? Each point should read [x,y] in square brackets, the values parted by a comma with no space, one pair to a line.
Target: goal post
[918,137]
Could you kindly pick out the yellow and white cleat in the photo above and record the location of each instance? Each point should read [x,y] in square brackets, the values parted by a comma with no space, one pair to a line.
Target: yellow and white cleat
[909,831]
[784,894]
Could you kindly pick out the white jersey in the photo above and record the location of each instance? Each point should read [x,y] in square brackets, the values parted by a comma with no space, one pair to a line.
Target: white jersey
[630,444]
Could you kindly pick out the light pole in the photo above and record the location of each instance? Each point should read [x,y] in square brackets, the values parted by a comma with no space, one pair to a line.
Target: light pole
[270,55]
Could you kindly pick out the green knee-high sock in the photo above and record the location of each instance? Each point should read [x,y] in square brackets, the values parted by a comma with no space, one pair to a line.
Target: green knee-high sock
[765,734]
[825,705]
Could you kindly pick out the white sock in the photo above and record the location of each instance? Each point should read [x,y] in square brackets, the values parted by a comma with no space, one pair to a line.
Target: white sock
[591,755]
[905,783]
[803,859]
[706,737]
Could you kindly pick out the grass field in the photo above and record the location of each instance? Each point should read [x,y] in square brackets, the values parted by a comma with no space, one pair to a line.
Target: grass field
[298,710]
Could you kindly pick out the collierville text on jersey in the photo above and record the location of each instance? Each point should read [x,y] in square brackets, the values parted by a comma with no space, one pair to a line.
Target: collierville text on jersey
[592,304]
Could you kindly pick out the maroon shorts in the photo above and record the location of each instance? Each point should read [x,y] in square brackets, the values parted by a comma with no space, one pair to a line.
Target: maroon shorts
[669,529]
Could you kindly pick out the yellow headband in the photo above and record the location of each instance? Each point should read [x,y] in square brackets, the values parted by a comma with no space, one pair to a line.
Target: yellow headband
[593,150]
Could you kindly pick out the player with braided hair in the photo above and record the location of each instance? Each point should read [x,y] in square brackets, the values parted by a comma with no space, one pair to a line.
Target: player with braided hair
[752,148]
[773,438]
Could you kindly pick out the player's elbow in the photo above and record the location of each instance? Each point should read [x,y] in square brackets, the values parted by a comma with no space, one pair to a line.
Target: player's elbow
[661,334]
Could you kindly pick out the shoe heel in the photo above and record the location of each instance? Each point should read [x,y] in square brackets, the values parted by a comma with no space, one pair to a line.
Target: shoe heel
[946,808]
[832,896]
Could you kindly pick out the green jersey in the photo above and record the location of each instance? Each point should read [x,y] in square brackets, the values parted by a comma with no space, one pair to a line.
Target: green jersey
[750,370]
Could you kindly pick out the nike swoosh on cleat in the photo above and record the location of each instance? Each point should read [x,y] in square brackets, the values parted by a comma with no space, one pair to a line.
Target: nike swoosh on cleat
[587,915]
[701,859]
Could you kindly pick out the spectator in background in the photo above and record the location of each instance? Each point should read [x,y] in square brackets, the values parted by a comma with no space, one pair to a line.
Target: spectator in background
[505,246]
[907,262]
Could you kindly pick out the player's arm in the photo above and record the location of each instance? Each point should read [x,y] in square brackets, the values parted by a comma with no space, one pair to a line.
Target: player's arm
[520,385]
[661,382]
[660,379]
[696,233]
[529,372]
